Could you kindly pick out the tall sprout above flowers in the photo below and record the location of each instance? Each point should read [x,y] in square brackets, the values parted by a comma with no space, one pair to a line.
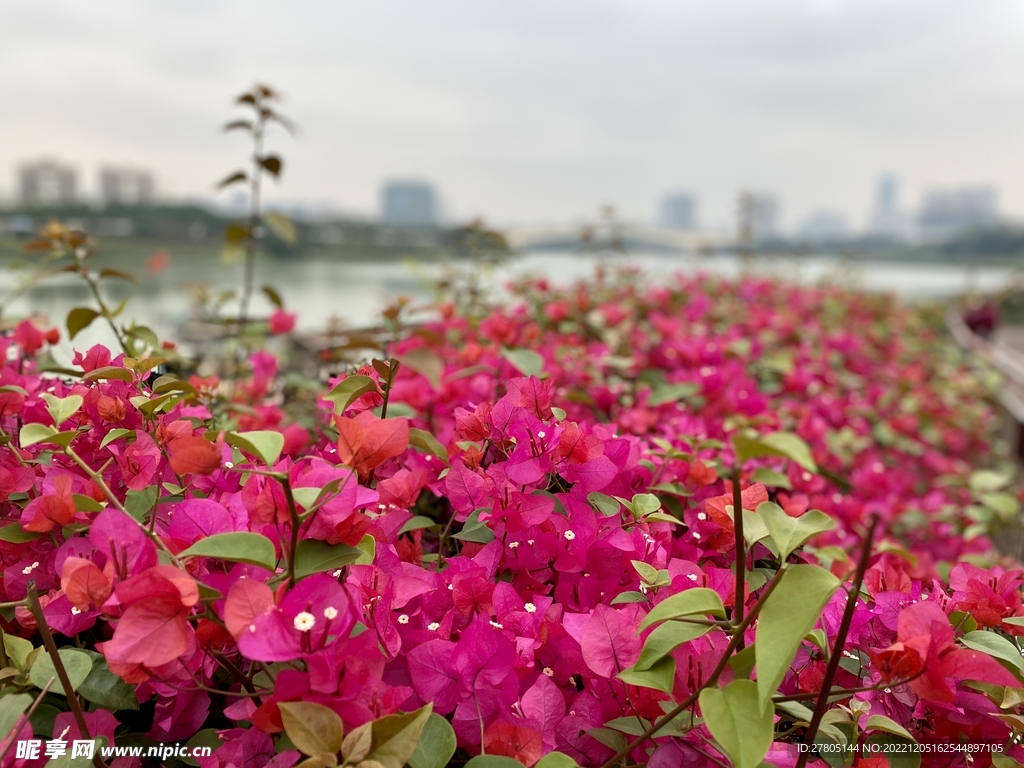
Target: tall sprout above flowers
[259,101]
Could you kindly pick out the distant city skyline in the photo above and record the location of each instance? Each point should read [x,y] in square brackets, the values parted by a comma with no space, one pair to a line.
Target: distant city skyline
[531,111]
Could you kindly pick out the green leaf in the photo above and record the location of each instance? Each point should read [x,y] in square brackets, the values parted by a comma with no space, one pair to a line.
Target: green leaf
[789,613]
[883,723]
[238,547]
[645,504]
[265,444]
[556,760]
[526,360]
[17,649]
[417,523]
[691,602]
[112,435]
[349,390]
[425,362]
[86,503]
[76,663]
[771,478]
[987,481]
[281,226]
[313,728]
[12,707]
[738,721]
[15,534]
[62,408]
[436,745]
[647,572]
[271,293]
[493,761]
[395,737]
[139,503]
[314,556]
[559,415]
[606,505]
[474,531]
[783,444]
[36,433]
[119,274]
[1006,505]
[629,597]
[105,689]
[787,532]
[672,393]
[994,645]
[665,639]
[356,744]
[427,443]
[660,676]
[367,547]
[79,319]
[109,372]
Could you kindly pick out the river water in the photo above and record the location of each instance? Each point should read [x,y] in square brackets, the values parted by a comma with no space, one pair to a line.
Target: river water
[356,291]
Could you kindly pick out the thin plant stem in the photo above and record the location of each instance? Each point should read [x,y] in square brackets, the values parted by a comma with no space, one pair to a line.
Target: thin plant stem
[741,551]
[837,649]
[254,220]
[98,479]
[58,665]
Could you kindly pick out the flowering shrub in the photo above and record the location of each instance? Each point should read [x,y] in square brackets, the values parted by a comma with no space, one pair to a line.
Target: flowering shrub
[517,538]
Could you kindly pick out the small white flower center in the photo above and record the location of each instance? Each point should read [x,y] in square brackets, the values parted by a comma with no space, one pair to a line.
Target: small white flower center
[513,544]
[433,626]
[75,611]
[701,516]
[542,434]
[530,608]
[691,576]
[548,671]
[304,621]
[330,612]
[403,619]
[496,625]
[569,535]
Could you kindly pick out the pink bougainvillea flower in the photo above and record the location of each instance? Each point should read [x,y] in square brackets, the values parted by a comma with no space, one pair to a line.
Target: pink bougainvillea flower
[281,321]
[314,613]
[193,456]
[140,461]
[50,509]
[926,648]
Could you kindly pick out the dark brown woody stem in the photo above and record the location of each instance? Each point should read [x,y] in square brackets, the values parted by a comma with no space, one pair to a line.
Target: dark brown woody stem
[837,648]
[62,674]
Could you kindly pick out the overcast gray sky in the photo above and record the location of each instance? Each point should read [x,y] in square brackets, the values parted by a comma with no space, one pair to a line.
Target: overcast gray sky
[532,110]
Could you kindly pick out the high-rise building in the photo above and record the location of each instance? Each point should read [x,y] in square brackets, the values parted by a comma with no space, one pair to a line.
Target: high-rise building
[678,211]
[47,183]
[409,204]
[946,213]
[886,219]
[759,215]
[126,186]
